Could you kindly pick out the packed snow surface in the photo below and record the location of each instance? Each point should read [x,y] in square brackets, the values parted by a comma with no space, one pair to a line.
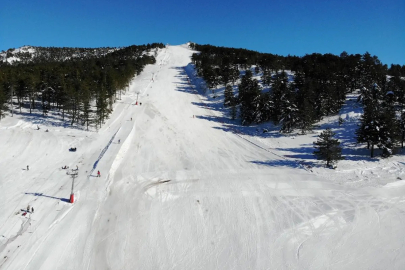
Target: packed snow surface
[185,190]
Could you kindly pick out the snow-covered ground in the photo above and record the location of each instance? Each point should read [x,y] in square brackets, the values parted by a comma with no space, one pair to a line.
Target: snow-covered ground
[186,188]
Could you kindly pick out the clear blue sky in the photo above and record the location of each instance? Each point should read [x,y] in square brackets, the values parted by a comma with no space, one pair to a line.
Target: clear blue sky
[295,27]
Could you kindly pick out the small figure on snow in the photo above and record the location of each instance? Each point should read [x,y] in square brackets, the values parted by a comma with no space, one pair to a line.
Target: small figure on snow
[32,209]
[98,174]
[119,141]
[28,208]
[28,168]
[131,118]
[37,127]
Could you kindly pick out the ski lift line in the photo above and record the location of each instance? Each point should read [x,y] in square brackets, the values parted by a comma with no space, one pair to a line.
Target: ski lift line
[102,153]
[153,76]
[267,150]
[237,132]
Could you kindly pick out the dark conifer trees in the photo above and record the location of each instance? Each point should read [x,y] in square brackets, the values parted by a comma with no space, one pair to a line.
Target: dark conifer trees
[228,95]
[279,88]
[379,125]
[389,130]
[73,84]
[328,148]
[396,86]
[3,100]
[289,114]
[249,92]
[305,103]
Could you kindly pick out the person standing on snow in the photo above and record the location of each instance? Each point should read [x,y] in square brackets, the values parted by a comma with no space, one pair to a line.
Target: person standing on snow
[98,174]
[28,168]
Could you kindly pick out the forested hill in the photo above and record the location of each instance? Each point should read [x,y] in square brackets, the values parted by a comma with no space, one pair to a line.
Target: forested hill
[297,92]
[33,54]
[80,84]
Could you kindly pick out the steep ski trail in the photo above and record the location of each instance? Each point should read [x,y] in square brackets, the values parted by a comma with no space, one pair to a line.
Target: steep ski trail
[180,193]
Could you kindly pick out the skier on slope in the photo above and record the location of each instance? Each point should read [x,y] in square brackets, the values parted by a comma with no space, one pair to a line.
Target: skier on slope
[98,174]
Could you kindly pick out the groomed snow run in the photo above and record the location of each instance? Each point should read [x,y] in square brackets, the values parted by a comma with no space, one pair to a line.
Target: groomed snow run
[182,190]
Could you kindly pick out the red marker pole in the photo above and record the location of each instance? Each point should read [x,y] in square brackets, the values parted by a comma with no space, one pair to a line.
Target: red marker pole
[72,194]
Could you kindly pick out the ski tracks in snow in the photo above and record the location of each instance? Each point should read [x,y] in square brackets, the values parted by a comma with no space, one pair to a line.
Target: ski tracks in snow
[236,132]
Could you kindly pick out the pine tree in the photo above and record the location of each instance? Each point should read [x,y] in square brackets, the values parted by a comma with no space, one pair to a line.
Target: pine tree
[379,126]
[211,77]
[266,77]
[397,86]
[228,95]
[234,74]
[85,106]
[305,103]
[263,107]
[225,71]
[389,130]
[234,109]
[328,148]
[289,114]
[3,99]
[368,132]
[279,86]
[21,90]
[249,93]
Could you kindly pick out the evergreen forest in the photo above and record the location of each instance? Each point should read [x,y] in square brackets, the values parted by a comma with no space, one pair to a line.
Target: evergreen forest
[81,84]
[259,89]
[292,92]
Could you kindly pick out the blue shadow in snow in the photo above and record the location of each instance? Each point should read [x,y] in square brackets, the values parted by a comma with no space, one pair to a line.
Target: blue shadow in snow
[46,196]
[278,163]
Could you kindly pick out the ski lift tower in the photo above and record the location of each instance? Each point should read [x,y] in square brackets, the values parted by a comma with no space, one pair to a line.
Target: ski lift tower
[137,94]
[73,174]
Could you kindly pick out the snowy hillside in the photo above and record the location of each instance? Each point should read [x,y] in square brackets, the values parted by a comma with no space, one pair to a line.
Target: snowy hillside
[184,187]
[27,54]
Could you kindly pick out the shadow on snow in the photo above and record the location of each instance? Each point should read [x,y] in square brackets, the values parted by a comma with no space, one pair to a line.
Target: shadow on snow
[37,194]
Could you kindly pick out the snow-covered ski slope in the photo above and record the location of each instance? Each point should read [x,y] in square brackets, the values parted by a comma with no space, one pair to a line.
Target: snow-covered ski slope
[183,191]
